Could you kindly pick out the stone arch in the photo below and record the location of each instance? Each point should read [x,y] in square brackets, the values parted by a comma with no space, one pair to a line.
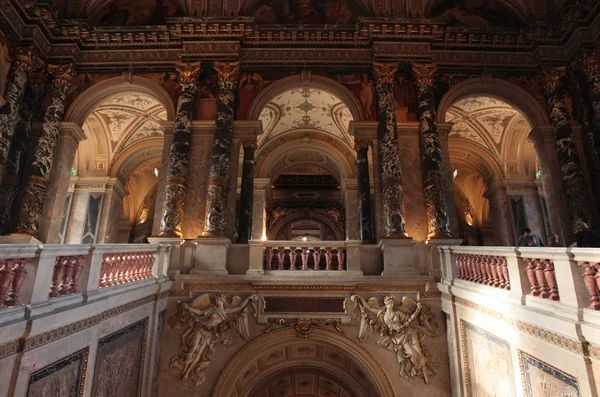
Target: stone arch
[362,371]
[141,152]
[511,93]
[297,81]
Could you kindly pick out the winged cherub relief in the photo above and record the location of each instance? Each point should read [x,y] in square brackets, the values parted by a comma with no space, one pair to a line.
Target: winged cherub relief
[402,330]
[207,322]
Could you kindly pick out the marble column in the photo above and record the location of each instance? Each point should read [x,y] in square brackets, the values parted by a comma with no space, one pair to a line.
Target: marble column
[501,209]
[176,181]
[578,196]
[365,221]
[434,173]
[262,188]
[219,177]
[112,207]
[591,67]
[17,155]
[247,192]
[387,134]
[9,112]
[43,157]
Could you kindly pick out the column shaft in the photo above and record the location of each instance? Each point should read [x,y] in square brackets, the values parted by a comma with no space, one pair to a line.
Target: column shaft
[434,177]
[176,182]
[219,177]
[247,193]
[43,156]
[391,175]
[9,113]
[572,176]
[365,221]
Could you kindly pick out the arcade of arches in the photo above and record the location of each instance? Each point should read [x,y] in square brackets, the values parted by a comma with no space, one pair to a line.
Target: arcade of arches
[294,198]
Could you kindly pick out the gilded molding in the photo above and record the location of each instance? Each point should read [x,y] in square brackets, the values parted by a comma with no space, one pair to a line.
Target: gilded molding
[424,73]
[227,71]
[385,72]
[187,72]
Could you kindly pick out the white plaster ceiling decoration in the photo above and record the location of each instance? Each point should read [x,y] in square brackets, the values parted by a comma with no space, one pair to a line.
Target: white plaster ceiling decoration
[125,119]
[485,121]
[306,108]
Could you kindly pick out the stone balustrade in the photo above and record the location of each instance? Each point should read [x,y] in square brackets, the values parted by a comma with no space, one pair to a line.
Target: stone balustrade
[35,274]
[568,276]
[294,256]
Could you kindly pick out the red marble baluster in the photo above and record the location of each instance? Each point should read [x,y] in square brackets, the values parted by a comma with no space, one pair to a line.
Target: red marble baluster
[317,258]
[304,254]
[150,264]
[472,273]
[19,272]
[77,269]
[504,267]
[530,269]
[502,278]
[340,257]
[328,258]
[467,267]
[539,275]
[459,264]
[551,280]
[495,282]
[102,282]
[280,257]
[590,283]
[269,258]
[57,276]
[478,262]
[69,269]
[6,276]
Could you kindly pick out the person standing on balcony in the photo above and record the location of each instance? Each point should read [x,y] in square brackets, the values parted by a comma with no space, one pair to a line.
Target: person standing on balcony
[553,241]
[522,240]
[586,237]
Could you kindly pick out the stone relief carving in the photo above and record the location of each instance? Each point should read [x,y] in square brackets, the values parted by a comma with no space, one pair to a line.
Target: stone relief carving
[207,322]
[303,325]
[402,329]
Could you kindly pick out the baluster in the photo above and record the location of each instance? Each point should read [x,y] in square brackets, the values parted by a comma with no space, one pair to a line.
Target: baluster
[150,264]
[280,257]
[269,258]
[134,267]
[293,254]
[77,269]
[459,265]
[490,271]
[476,268]
[499,269]
[6,276]
[304,256]
[485,269]
[328,257]
[19,272]
[539,275]
[471,266]
[104,271]
[530,269]
[551,280]
[589,279]
[57,276]
[494,269]
[340,258]
[504,267]
[112,267]
[67,275]
[317,258]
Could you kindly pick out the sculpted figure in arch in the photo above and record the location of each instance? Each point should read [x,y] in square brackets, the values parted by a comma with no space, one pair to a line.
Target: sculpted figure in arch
[402,330]
[207,322]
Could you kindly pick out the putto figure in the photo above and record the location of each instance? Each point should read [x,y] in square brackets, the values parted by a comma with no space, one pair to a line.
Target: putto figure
[402,329]
[207,323]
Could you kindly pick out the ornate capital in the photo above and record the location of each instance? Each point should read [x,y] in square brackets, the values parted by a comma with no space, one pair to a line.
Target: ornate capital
[23,58]
[385,72]
[424,72]
[590,62]
[249,143]
[227,71]
[361,144]
[550,78]
[187,72]
[63,74]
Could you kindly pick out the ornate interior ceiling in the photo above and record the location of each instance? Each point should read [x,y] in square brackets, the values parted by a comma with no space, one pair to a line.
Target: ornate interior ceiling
[306,109]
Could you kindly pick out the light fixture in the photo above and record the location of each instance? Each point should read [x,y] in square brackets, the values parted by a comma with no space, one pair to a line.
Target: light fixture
[263,237]
[156,172]
[455,173]
[305,237]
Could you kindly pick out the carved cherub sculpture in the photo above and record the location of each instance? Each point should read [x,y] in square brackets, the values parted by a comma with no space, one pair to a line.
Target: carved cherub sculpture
[402,329]
[207,322]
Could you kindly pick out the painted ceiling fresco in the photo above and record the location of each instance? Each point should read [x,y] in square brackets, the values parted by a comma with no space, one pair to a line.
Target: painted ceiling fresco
[337,12]
[306,108]
[125,120]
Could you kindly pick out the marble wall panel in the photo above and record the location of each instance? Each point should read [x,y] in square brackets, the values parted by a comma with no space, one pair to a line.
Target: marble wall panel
[195,195]
[159,332]
[487,363]
[92,218]
[64,378]
[541,379]
[119,366]
[65,217]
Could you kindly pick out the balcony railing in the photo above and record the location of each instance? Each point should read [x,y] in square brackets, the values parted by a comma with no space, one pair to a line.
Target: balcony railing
[34,274]
[305,257]
[564,275]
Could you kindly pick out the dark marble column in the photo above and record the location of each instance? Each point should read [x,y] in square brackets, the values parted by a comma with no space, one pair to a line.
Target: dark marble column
[434,173]
[591,67]
[365,221]
[218,183]
[9,112]
[387,134]
[36,186]
[578,196]
[176,182]
[17,155]
[247,192]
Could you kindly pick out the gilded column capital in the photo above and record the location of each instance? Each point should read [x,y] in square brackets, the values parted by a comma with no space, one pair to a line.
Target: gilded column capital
[550,78]
[187,72]
[590,62]
[24,58]
[361,144]
[63,74]
[249,143]
[385,72]
[424,72]
[227,71]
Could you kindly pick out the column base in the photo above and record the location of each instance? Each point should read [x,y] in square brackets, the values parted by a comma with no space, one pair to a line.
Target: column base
[440,235]
[400,257]
[169,234]
[397,235]
[213,234]
[435,263]
[19,238]
[211,256]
